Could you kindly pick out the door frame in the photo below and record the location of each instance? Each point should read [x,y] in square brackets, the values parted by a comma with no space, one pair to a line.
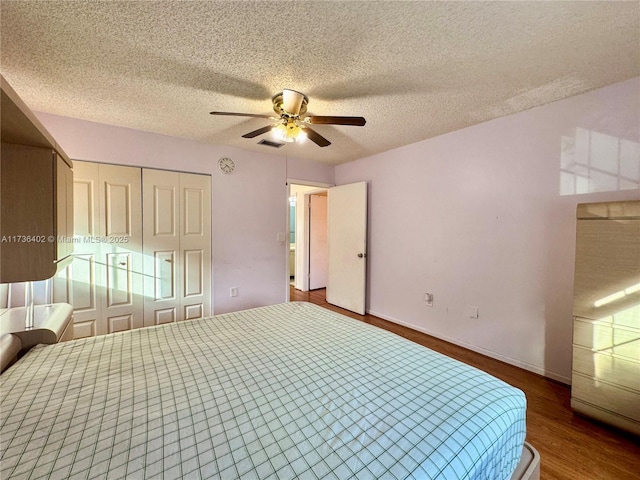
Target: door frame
[305,183]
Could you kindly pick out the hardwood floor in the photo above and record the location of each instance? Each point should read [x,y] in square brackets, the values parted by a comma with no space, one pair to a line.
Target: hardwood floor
[570,446]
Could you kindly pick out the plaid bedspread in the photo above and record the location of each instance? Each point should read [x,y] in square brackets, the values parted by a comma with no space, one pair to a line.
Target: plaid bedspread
[281,392]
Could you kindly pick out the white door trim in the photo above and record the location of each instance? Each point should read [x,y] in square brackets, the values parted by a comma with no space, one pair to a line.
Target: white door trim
[305,183]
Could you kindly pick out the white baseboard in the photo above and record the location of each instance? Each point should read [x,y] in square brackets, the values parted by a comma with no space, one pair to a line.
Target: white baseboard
[489,353]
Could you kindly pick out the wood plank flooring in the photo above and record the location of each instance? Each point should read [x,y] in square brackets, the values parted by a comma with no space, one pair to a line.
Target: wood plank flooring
[571,447]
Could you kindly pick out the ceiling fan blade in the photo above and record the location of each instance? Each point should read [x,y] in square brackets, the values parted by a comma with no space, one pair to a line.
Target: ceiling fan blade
[327,120]
[233,114]
[292,101]
[316,138]
[260,131]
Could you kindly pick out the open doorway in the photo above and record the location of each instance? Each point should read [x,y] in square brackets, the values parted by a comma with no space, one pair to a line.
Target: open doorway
[307,259]
[346,221]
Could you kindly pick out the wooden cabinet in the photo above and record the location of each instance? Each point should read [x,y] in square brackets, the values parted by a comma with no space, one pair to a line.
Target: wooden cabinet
[606,327]
[36,196]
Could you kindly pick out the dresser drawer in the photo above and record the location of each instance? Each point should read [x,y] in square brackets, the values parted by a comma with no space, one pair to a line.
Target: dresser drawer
[621,401]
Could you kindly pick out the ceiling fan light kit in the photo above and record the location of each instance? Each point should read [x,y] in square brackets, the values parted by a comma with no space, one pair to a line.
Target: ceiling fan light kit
[289,132]
[290,106]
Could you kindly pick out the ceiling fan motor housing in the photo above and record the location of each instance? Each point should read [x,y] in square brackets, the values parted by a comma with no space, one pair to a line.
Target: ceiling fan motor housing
[290,103]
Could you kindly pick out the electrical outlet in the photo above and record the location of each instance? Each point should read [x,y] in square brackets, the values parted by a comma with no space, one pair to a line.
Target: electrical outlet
[233,292]
[281,237]
[428,298]
[473,312]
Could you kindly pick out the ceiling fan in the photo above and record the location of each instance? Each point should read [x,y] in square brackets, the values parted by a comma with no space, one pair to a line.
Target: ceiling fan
[290,106]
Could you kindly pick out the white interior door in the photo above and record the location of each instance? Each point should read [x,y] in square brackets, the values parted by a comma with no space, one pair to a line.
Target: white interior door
[347,239]
[318,247]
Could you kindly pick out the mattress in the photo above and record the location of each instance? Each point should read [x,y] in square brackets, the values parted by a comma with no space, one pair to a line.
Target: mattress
[280,392]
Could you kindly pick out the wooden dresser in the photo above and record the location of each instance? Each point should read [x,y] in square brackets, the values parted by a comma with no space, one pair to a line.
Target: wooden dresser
[606,321]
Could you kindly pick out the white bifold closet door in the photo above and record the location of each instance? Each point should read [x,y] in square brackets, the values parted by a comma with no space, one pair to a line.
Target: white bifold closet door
[177,246]
[104,281]
[142,249]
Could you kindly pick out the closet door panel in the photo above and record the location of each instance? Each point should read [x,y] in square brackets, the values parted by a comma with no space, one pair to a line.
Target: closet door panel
[84,213]
[177,246]
[164,204]
[161,246]
[193,273]
[84,329]
[76,283]
[82,281]
[119,279]
[164,274]
[120,323]
[168,315]
[193,208]
[81,275]
[195,245]
[120,246]
[192,312]
[117,209]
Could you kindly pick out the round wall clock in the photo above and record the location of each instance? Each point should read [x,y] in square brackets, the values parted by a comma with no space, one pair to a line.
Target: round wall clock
[226,165]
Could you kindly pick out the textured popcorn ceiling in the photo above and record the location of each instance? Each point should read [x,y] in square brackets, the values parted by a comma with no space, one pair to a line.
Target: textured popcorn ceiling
[412,69]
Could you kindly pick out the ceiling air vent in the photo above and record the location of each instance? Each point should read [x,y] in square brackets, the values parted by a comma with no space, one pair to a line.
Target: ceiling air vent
[269,143]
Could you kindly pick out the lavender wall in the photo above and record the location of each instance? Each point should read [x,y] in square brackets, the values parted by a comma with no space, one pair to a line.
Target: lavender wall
[482,217]
[250,206]
[485,217]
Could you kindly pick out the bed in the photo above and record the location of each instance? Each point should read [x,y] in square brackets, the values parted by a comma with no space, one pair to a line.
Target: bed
[278,392]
